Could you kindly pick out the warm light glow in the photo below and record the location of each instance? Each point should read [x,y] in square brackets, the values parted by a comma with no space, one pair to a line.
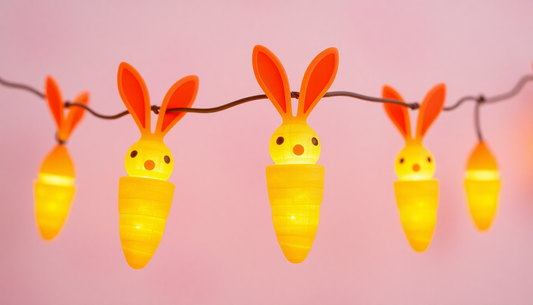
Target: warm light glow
[295,184]
[54,191]
[150,150]
[144,205]
[56,180]
[417,202]
[145,196]
[417,193]
[295,193]
[296,146]
[482,185]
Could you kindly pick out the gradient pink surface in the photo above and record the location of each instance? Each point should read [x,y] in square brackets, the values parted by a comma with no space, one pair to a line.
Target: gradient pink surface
[219,245]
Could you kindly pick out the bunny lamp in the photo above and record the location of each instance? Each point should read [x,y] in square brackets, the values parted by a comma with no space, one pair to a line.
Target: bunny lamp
[145,196]
[295,183]
[54,188]
[417,193]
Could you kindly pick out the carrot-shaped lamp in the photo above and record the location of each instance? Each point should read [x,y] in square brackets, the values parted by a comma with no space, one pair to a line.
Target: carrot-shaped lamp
[145,196]
[54,188]
[482,183]
[417,193]
[295,184]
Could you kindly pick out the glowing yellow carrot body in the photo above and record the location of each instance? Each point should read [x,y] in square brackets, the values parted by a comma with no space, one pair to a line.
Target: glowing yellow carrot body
[54,188]
[417,193]
[295,184]
[482,183]
[54,191]
[145,197]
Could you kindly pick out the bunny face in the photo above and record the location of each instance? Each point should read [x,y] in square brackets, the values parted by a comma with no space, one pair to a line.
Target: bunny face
[150,157]
[294,142]
[415,162]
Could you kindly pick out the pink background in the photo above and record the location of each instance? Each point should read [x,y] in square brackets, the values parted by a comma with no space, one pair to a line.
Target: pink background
[219,245]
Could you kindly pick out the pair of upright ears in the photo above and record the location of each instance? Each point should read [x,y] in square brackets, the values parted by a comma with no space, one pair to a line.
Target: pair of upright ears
[65,126]
[429,110]
[134,94]
[273,79]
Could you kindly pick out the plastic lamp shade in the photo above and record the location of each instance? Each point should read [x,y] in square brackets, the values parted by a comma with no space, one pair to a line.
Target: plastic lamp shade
[145,197]
[295,184]
[417,193]
[482,183]
[54,188]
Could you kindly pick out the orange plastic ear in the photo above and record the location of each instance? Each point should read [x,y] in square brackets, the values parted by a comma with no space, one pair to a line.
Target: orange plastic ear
[134,94]
[272,78]
[55,102]
[317,79]
[430,109]
[181,95]
[74,116]
[397,114]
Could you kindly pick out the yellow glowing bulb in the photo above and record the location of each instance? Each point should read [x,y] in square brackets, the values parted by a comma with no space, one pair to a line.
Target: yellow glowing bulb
[482,183]
[54,191]
[54,188]
[294,142]
[417,193]
[295,184]
[145,197]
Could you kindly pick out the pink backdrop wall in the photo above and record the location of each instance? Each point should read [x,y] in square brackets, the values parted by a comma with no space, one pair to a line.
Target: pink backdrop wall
[219,245]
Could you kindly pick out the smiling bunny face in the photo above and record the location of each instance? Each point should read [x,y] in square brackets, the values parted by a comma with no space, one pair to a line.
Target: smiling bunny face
[415,162]
[294,142]
[150,157]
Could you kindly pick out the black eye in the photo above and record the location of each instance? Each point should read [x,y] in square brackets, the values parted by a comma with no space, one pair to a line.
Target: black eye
[133,154]
[167,159]
[429,159]
[315,141]
[401,160]
[280,140]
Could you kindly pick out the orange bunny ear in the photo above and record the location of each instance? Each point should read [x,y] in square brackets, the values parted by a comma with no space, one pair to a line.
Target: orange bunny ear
[430,109]
[272,78]
[317,79]
[397,114]
[181,95]
[55,102]
[74,116]
[135,96]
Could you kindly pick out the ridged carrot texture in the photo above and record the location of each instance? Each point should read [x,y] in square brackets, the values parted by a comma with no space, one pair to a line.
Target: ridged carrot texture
[295,184]
[145,196]
[54,188]
[482,183]
[417,193]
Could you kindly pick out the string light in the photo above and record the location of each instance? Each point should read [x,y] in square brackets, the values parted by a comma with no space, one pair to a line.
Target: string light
[145,196]
[417,193]
[295,184]
[54,188]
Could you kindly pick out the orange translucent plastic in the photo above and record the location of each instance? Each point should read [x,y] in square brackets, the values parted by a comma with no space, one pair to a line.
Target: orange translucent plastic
[482,184]
[54,188]
[295,183]
[145,197]
[416,191]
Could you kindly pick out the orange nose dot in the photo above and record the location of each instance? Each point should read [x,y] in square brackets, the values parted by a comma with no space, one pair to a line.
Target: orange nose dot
[416,167]
[149,165]
[298,150]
